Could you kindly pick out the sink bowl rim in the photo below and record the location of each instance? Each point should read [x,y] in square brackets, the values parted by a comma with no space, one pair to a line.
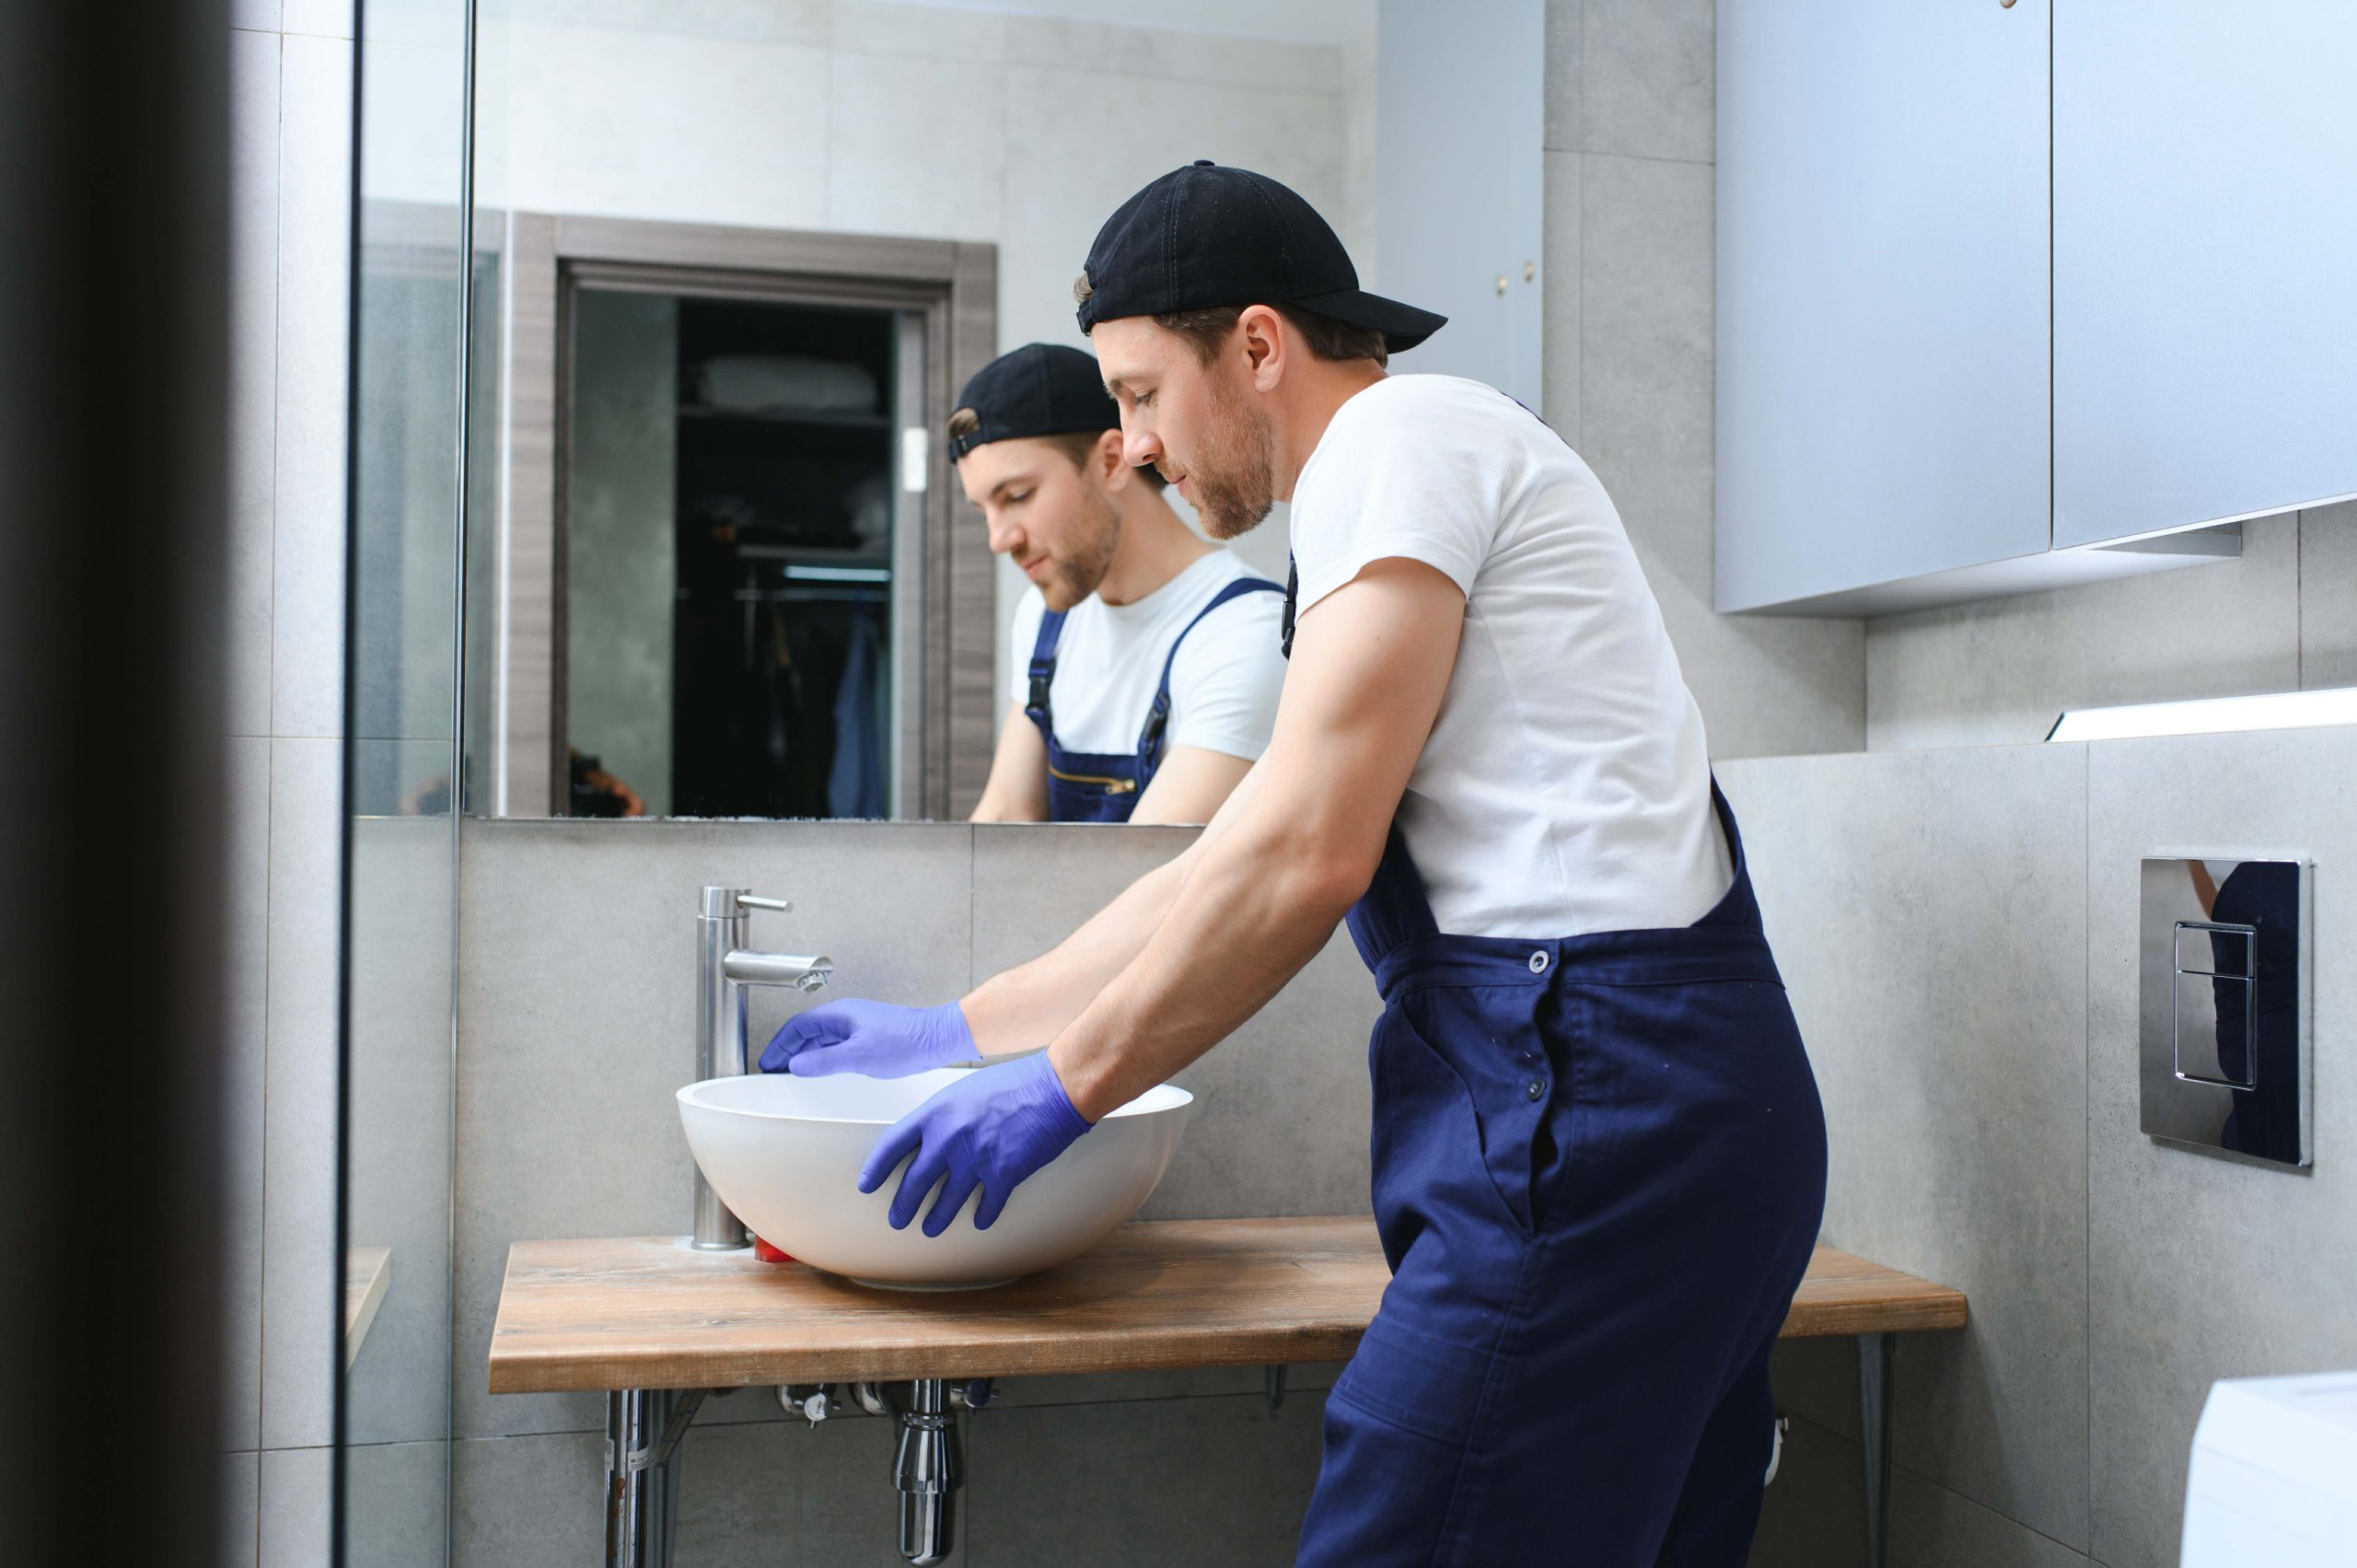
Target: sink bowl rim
[1158,1100]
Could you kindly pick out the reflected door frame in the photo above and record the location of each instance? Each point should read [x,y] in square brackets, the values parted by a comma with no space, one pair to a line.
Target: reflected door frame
[946,733]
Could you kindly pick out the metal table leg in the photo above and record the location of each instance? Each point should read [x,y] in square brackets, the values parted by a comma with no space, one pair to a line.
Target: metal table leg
[1875,1353]
[642,1430]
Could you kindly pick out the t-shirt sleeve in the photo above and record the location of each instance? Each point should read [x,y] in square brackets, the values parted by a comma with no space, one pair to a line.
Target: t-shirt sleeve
[1022,632]
[1389,483]
[1226,678]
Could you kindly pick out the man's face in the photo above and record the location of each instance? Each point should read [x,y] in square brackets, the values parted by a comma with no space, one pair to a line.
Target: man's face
[1045,515]
[1200,424]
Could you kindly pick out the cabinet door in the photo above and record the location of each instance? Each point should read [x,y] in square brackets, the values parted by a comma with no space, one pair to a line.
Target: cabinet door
[2205,262]
[1460,180]
[1883,351]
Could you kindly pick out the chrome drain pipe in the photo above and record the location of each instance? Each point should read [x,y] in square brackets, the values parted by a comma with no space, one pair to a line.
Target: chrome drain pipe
[928,1468]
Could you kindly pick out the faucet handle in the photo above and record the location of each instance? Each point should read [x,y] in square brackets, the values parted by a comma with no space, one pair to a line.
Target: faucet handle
[747,901]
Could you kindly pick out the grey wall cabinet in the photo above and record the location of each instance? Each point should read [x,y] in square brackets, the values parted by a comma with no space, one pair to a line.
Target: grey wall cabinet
[1882,291]
[1461,181]
[2205,262]
[1927,390]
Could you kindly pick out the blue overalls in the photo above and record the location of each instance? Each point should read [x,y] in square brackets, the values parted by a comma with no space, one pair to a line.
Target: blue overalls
[1104,786]
[1599,1172]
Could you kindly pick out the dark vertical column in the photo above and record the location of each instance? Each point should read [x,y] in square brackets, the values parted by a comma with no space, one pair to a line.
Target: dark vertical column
[113,222]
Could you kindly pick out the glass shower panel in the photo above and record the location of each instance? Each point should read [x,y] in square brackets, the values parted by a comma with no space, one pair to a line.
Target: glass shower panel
[410,304]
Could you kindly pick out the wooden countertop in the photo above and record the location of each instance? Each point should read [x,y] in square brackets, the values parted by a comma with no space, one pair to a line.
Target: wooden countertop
[650,1312]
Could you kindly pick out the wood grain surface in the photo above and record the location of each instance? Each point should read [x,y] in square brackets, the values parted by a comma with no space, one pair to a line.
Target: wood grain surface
[650,1312]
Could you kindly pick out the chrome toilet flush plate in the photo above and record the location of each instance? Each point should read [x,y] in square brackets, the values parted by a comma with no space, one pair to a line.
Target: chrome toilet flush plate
[2225,1004]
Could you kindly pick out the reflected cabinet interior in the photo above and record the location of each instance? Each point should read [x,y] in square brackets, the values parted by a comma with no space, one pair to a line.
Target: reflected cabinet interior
[732,576]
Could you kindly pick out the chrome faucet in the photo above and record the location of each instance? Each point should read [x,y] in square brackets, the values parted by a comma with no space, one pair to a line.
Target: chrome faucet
[726,969]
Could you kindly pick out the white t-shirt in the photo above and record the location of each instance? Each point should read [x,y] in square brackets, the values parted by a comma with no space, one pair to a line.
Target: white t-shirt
[1109,661]
[1566,787]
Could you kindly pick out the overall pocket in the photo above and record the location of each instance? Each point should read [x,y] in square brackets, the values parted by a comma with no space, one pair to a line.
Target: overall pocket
[1463,1089]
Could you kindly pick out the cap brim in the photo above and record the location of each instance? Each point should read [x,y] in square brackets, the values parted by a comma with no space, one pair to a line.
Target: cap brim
[1402,326]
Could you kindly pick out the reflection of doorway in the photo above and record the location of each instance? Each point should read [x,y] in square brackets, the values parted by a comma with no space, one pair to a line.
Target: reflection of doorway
[751,597]
[734,495]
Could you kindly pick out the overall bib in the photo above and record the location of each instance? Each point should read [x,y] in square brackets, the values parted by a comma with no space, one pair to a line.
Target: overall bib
[1104,786]
[1599,1172]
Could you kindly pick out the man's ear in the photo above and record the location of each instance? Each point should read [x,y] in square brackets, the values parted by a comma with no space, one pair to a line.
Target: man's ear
[1266,345]
[1111,471]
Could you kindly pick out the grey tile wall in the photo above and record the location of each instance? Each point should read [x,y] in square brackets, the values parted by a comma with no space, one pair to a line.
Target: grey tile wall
[576,1006]
[569,1059]
[2328,595]
[1958,932]
[238,1522]
[2202,1268]
[289,138]
[1928,915]
[1279,1124]
[300,1272]
[1174,1483]
[1629,358]
[295,1530]
[1998,672]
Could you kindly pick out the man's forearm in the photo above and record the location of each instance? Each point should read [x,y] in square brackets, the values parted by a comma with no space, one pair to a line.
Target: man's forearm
[1259,904]
[1026,1006]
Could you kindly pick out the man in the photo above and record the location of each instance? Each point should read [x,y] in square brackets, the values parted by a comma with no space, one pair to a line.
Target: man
[1598,1155]
[1147,659]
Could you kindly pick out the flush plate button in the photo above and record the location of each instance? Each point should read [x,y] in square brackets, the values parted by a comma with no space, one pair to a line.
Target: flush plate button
[2222,1019]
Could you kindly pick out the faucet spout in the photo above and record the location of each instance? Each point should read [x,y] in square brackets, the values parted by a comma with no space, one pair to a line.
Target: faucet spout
[777,969]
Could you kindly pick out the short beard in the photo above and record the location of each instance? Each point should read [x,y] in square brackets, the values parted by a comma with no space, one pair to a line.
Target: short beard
[1234,475]
[1080,568]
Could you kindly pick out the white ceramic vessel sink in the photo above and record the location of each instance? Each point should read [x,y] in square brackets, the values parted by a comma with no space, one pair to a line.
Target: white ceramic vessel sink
[784,1153]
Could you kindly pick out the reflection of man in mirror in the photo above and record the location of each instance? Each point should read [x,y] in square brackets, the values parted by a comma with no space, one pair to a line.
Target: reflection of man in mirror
[1146,659]
[1598,1156]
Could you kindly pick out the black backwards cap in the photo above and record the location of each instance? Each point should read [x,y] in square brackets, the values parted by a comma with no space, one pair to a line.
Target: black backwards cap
[1208,236]
[1038,389]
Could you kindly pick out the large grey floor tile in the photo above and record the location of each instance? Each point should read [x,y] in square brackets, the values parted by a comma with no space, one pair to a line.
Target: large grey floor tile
[2328,595]
[1998,672]
[577,974]
[2199,1267]
[1927,912]
[1176,1482]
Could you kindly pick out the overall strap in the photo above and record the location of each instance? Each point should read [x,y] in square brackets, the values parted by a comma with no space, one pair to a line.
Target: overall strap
[1158,717]
[1043,672]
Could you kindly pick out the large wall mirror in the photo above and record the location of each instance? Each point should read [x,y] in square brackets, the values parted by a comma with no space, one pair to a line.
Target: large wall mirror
[720,562]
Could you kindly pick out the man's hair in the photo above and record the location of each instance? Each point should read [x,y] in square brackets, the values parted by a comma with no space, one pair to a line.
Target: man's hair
[1077,444]
[1208,329]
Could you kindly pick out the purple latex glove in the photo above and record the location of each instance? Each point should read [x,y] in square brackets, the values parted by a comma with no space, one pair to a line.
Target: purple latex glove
[991,1129]
[873,1037]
